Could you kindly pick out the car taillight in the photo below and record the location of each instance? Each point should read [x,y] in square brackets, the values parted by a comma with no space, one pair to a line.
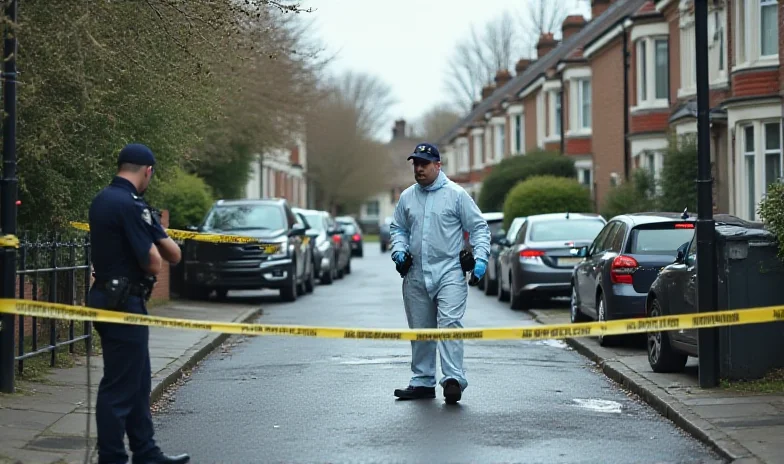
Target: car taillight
[684,226]
[356,237]
[622,269]
[336,238]
[531,253]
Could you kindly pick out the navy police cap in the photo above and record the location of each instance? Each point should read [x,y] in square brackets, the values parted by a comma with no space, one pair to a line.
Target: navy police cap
[136,153]
[427,152]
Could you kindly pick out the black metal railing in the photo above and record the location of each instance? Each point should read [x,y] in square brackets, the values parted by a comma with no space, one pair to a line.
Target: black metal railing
[54,268]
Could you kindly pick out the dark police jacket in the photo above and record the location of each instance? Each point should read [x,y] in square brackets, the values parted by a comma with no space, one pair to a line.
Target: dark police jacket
[121,232]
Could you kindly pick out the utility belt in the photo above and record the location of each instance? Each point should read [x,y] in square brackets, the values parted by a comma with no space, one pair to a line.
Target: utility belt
[118,289]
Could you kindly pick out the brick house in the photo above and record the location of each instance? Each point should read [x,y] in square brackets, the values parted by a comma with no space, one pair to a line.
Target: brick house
[281,173]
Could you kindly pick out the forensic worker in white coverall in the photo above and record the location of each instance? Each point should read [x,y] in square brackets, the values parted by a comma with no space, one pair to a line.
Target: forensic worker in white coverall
[429,221]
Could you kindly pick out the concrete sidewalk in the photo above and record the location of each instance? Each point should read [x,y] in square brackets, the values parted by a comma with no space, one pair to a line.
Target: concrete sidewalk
[45,422]
[744,427]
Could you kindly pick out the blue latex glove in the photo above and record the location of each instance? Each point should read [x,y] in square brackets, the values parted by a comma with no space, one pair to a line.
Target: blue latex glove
[398,257]
[479,268]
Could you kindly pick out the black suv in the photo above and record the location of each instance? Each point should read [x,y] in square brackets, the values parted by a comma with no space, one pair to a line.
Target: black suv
[223,267]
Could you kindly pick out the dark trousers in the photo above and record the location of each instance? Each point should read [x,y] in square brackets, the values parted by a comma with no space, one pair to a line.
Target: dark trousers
[123,402]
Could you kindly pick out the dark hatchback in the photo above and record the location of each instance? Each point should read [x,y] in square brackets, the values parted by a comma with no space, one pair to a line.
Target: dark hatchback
[222,267]
[618,268]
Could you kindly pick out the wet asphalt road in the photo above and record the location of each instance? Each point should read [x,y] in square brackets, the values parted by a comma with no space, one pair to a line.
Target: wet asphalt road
[329,400]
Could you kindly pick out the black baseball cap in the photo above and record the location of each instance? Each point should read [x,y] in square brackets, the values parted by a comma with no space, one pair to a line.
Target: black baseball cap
[427,152]
[136,153]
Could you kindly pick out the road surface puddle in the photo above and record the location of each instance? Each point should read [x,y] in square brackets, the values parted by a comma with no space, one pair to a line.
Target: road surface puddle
[599,405]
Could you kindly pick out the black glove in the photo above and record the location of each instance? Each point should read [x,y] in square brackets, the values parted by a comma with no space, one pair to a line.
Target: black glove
[148,282]
[402,268]
[467,263]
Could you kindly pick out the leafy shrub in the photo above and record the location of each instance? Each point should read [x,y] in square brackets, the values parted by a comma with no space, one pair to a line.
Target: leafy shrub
[187,197]
[636,196]
[771,211]
[679,175]
[546,194]
[510,171]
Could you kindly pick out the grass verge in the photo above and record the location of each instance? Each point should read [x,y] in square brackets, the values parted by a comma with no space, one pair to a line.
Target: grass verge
[773,382]
[370,238]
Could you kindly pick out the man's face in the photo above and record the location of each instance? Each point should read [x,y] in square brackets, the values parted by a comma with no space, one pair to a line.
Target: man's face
[425,172]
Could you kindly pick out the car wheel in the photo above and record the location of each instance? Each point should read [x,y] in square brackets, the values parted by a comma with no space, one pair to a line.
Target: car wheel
[310,284]
[661,355]
[491,285]
[289,292]
[348,267]
[383,247]
[327,276]
[601,305]
[503,295]
[518,300]
[574,308]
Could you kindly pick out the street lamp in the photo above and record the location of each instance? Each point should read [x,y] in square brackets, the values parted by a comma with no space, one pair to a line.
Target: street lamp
[706,247]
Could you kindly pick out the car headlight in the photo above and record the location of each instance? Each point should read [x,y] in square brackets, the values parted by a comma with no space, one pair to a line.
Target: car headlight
[283,251]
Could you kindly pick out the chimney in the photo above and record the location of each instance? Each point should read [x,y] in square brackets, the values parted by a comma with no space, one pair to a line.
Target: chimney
[400,129]
[487,91]
[522,65]
[598,7]
[571,25]
[546,44]
[501,78]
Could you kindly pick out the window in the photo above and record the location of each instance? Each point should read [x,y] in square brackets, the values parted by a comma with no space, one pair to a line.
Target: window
[584,176]
[465,162]
[518,137]
[761,149]
[371,208]
[566,229]
[479,146]
[584,99]
[757,32]
[500,141]
[663,239]
[555,98]
[488,139]
[653,71]
[246,217]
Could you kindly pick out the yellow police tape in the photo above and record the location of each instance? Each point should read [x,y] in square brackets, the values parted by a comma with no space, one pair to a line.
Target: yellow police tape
[534,332]
[176,234]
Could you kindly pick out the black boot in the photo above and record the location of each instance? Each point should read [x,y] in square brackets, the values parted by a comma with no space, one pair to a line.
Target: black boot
[164,459]
[452,391]
[416,393]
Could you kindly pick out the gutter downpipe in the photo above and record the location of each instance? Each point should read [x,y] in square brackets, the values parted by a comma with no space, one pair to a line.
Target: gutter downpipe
[626,147]
[563,111]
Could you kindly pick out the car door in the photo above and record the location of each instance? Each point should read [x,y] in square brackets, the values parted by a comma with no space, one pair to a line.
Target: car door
[688,301]
[509,256]
[592,266]
[296,242]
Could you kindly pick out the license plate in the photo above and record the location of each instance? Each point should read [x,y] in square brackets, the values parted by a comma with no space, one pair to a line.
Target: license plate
[568,261]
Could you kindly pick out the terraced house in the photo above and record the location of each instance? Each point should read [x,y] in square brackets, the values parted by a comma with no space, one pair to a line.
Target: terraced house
[615,89]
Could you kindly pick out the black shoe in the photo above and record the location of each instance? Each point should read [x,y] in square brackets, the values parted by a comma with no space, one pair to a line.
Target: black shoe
[164,459]
[452,391]
[416,393]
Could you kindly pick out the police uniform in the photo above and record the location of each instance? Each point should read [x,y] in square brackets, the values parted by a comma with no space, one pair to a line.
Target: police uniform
[122,230]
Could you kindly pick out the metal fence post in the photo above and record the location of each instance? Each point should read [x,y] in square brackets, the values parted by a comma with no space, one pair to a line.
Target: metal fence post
[8,193]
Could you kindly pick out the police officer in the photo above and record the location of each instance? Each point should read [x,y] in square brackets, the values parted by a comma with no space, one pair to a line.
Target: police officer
[129,247]
[428,223]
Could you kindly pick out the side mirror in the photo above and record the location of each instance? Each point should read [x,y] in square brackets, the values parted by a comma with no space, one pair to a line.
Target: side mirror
[297,229]
[581,252]
[681,256]
[504,242]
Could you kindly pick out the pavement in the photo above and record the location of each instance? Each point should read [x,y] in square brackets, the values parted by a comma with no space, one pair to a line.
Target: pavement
[743,427]
[46,422]
[292,399]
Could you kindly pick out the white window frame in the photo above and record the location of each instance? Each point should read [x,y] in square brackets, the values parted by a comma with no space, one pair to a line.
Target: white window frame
[575,77]
[499,139]
[514,112]
[550,98]
[488,139]
[540,121]
[463,163]
[748,34]
[479,147]
[581,103]
[646,73]
[583,166]
[717,49]
[748,200]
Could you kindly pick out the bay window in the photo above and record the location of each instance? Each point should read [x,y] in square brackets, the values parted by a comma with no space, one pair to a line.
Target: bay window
[761,164]
[717,47]
[580,101]
[653,72]
[756,33]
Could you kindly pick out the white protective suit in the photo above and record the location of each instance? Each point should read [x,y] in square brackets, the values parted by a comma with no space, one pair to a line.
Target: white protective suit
[429,223]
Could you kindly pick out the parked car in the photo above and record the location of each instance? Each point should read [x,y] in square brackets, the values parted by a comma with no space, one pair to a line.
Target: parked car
[342,241]
[325,252]
[539,263]
[384,237]
[354,232]
[618,268]
[674,292]
[499,243]
[280,265]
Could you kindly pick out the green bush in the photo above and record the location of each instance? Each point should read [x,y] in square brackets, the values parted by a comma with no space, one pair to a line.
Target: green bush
[546,194]
[771,211]
[636,196]
[187,197]
[679,175]
[510,171]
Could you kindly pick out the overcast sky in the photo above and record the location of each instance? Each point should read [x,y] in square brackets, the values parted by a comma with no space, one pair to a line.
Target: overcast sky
[405,42]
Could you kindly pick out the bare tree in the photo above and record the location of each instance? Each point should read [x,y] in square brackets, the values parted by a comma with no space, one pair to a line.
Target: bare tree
[435,122]
[502,42]
[368,95]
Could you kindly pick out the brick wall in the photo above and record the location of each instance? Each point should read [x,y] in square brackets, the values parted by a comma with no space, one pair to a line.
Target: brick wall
[161,290]
[529,105]
[608,138]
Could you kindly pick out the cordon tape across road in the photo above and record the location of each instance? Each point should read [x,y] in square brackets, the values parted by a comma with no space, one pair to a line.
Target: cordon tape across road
[537,332]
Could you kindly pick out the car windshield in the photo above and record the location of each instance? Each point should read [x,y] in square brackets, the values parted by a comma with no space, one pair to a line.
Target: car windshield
[495,227]
[245,217]
[659,241]
[566,229]
[315,221]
